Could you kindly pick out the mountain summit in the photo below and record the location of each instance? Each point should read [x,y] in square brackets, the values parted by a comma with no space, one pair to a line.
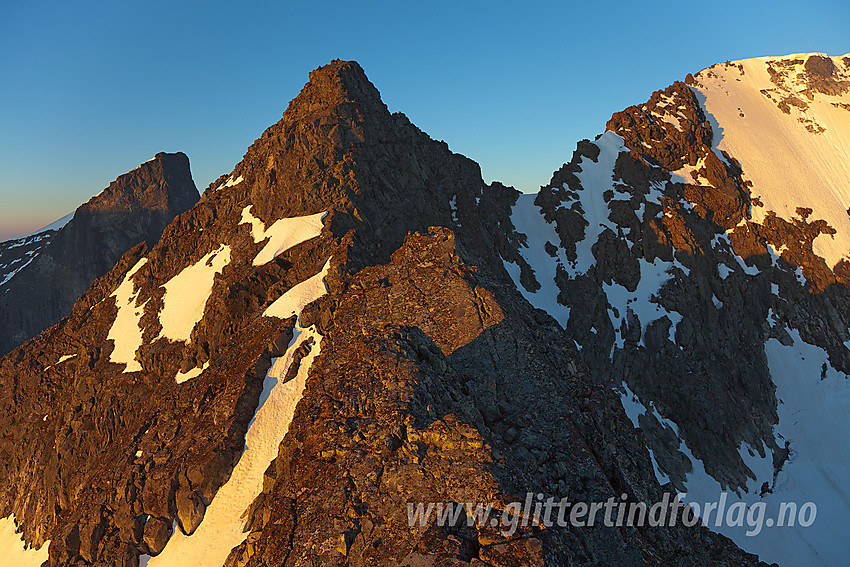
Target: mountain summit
[694,251]
[42,275]
[352,322]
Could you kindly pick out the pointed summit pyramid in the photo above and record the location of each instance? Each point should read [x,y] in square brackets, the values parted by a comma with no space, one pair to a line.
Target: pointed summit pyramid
[333,86]
[338,148]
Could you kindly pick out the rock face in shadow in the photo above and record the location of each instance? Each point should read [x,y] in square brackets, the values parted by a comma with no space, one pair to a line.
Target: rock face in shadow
[435,380]
[56,267]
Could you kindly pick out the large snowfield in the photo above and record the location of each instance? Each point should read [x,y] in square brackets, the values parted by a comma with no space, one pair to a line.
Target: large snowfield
[789,165]
[796,159]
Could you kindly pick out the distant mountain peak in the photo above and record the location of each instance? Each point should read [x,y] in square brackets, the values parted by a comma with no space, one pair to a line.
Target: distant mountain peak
[160,183]
[61,260]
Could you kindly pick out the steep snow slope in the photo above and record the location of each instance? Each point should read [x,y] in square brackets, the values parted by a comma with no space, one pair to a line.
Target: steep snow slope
[814,418]
[224,521]
[786,120]
[56,225]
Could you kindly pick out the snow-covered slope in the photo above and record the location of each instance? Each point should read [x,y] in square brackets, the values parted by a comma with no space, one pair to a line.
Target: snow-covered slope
[598,188]
[56,225]
[814,419]
[656,252]
[17,253]
[786,120]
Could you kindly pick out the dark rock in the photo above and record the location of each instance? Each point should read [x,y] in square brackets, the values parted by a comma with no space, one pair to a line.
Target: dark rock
[135,208]
[157,533]
[190,510]
[435,382]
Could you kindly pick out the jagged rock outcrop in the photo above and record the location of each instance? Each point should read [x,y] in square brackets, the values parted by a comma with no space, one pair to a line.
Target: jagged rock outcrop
[684,253]
[345,279]
[49,271]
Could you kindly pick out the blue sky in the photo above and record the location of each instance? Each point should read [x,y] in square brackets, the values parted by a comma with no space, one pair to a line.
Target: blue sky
[92,89]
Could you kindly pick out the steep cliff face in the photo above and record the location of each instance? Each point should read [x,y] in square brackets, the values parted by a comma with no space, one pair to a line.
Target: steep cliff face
[47,272]
[694,252]
[328,335]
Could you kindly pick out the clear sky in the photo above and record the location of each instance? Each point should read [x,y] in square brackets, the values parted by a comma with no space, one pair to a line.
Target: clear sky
[88,90]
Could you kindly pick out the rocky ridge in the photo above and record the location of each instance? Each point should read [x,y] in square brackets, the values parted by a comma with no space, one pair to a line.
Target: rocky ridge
[653,249]
[428,385]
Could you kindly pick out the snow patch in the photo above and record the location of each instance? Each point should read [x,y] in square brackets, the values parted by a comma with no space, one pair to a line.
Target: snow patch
[13,549]
[283,234]
[776,253]
[669,118]
[643,301]
[749,270]
[231,182]
[193,373]
[690,174]
[186,295]
[596,177]
[293,301]
[722,242]
[126,332]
